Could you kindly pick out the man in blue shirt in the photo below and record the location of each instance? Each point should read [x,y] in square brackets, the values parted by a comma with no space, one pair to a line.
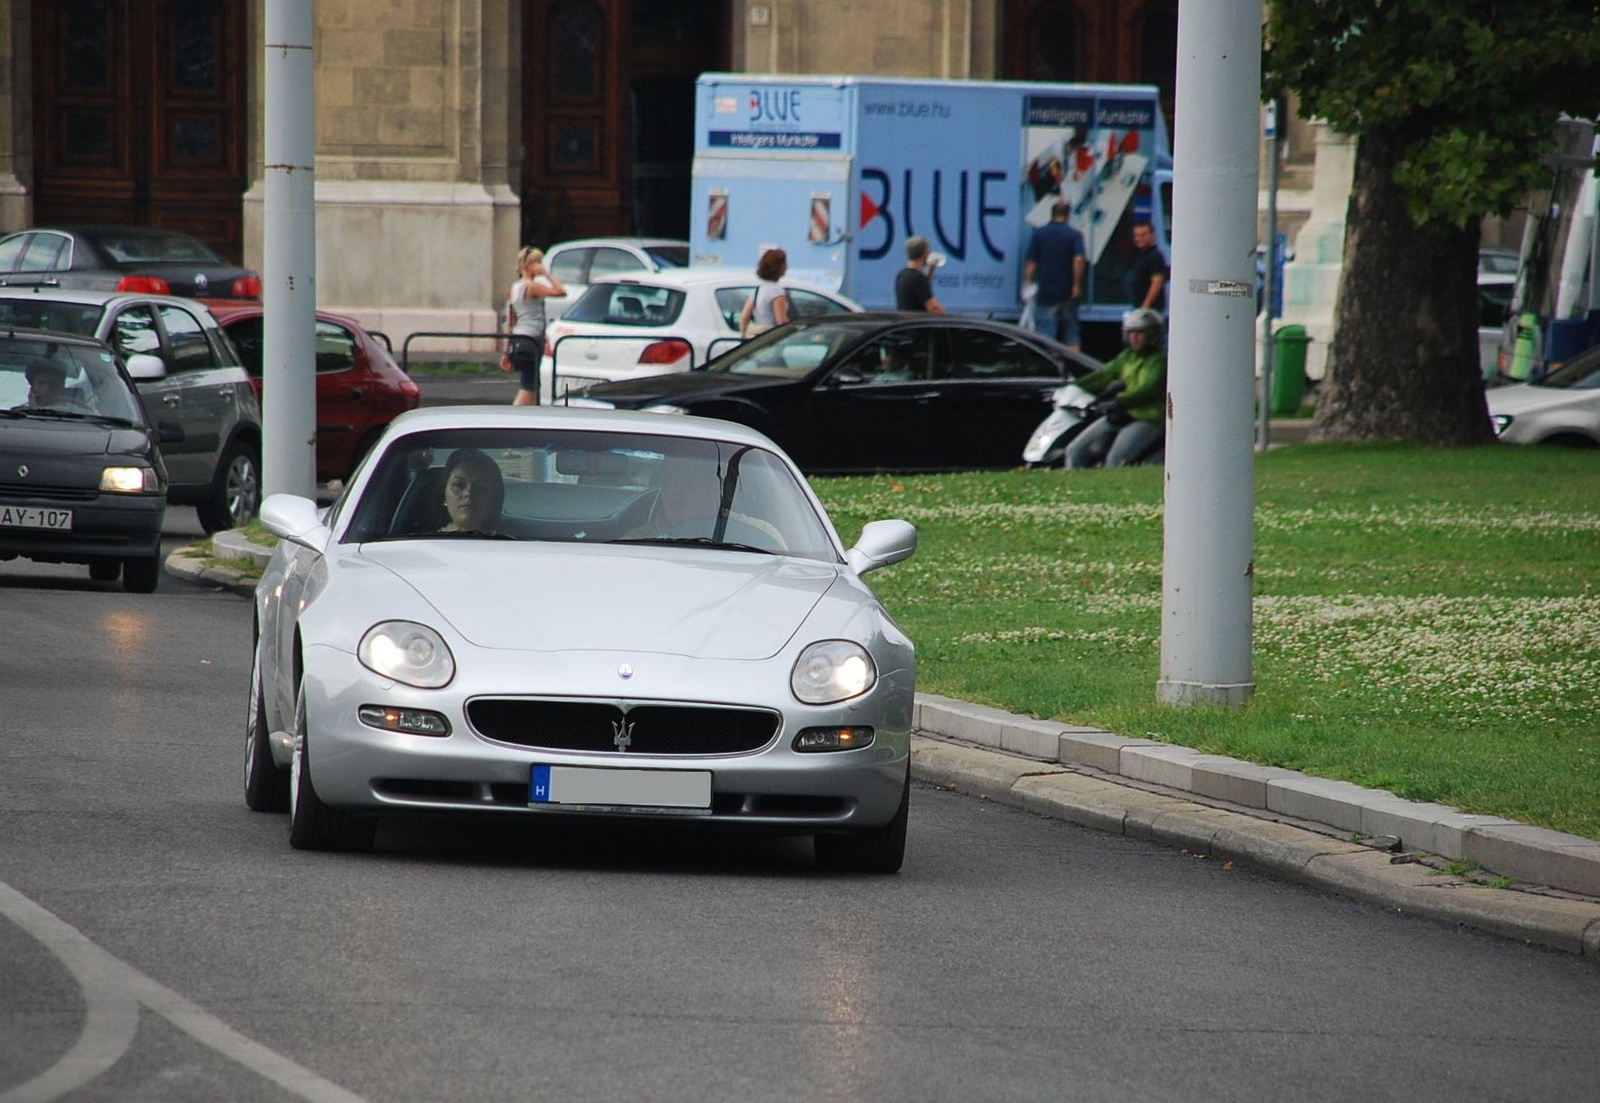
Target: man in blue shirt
[1056,264]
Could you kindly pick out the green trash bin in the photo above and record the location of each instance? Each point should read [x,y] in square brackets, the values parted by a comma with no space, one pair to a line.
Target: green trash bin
[1288,369]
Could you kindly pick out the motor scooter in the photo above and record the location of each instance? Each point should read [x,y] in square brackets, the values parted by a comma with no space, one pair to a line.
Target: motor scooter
[1074,410]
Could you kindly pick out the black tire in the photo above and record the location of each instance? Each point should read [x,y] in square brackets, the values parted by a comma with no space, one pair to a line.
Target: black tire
[312,824]
[871,850]
[235,493]
[105,570]
[266,784]
[141,576]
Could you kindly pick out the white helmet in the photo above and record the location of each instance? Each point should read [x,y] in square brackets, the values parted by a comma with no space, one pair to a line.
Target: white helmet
[1143,319]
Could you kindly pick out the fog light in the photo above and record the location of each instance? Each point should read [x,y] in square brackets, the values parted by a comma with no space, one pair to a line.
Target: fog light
[407,721]
[833,739]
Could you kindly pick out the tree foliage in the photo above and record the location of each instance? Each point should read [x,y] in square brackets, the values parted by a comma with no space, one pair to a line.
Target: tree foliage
[1452,104]
[1473,87]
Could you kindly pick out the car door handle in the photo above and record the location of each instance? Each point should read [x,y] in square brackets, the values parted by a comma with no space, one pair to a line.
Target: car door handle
[171,399]
[926,396]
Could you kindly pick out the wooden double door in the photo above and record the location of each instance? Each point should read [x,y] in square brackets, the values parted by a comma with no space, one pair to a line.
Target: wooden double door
[139,115]
[608,113]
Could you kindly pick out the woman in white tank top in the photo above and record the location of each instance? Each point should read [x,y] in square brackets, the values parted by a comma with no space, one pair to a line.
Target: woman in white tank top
[769,306]
[525,322]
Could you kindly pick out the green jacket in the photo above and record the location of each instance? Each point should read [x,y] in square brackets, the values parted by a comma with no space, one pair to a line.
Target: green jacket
[1145,376]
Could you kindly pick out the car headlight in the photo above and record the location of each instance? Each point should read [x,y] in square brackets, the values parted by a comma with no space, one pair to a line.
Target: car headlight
[1502,422]
[665,408]
[832,670]
[407,652]
[129,480]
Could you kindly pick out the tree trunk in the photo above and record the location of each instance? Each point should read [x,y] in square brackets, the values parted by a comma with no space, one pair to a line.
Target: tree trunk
[1404,360]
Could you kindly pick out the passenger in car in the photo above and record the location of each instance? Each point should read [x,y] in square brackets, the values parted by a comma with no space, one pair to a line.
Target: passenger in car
[474,492]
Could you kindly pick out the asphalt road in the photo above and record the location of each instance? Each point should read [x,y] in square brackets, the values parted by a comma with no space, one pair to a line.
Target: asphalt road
[160,942]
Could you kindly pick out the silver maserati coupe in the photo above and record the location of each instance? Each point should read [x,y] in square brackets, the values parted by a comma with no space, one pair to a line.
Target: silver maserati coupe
[553,611]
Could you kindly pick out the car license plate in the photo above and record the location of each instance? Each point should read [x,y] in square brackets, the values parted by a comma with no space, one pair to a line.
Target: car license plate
[30,517]
[615,787]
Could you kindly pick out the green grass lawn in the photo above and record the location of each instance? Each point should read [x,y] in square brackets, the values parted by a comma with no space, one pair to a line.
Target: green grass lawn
[1425,621]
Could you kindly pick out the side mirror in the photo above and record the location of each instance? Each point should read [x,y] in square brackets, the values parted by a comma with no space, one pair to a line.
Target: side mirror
[882,543]
[295,519]
[141,365]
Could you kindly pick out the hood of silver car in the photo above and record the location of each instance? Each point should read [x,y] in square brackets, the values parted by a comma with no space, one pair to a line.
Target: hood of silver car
[678,601]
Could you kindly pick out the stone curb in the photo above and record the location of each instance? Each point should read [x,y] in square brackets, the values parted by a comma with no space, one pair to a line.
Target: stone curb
[1019,765]
[225,545]
[1295,853]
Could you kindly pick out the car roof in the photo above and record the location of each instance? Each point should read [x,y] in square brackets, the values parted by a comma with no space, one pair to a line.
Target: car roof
[586,419]
[124,228]
[695,276]
[59,335]
[226,312]
[638,242]
[93,298]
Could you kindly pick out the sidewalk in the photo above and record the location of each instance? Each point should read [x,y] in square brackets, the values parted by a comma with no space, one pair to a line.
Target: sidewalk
[1492,874]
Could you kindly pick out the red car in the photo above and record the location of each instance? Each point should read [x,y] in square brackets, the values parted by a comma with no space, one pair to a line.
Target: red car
[360,388]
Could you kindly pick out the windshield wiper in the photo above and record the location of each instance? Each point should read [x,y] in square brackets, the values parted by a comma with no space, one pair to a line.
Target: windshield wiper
[59,415]
[693,542]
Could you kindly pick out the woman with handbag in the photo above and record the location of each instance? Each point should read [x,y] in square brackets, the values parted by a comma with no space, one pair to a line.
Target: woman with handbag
[525,320]
[769,306]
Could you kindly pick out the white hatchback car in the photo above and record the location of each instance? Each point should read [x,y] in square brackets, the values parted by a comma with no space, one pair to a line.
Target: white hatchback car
[673,321]
[579,263]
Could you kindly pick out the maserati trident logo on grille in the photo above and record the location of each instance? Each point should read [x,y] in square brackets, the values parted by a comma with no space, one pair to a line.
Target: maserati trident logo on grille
[622,733]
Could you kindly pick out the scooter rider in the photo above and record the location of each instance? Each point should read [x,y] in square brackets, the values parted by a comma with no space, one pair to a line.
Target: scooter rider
[1133,413]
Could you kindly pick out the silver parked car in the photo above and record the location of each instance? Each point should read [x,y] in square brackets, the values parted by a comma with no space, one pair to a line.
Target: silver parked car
[191,383]
[1561,408]
[547,610]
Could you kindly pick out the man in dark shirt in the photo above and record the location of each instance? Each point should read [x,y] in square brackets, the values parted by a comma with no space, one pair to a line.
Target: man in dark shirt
[912,288]
[1055,265]
[1150,271]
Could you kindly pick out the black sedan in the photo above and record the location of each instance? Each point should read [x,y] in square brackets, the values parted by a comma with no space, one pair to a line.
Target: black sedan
[873,392]
[140,259]
[81,480]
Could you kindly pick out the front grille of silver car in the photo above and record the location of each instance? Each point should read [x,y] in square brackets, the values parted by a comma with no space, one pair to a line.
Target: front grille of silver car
[623,727]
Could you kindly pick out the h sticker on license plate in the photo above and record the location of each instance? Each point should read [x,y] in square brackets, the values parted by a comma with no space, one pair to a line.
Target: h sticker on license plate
[617,787]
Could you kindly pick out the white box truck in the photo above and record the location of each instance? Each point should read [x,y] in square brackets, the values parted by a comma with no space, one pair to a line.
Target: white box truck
[839,171]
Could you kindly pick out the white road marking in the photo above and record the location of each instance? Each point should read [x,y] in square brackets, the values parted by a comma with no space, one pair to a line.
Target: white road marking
[113,991]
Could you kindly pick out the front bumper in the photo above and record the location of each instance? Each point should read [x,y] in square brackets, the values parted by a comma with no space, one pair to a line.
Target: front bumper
[364,769]
[109,526]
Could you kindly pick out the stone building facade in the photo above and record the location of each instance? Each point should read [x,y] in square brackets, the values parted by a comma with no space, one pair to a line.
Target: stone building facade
[450,132]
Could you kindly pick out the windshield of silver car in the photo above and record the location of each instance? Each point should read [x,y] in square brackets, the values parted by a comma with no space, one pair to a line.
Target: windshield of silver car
[589,487]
